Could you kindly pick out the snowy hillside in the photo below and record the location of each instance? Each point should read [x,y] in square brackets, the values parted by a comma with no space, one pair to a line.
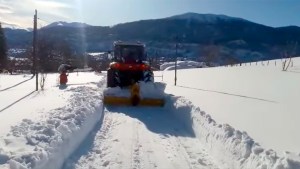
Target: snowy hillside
[14,27]
[66,24]
[207,18]
[225,117]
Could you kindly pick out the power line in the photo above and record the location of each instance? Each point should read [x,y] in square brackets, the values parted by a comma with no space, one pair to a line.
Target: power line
[44,20]
[40,24]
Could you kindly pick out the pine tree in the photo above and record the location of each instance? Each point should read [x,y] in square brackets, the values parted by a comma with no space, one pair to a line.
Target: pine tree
[3,49]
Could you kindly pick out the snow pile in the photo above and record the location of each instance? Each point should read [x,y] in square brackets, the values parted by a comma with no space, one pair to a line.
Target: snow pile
[147,90]
[233,149]
[182,65]
[152,90]
[116,91]
[45,144]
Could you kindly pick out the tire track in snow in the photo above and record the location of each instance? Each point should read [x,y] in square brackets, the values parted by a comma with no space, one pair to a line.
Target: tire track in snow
[146,152]
[190,150]
[174,153]
[98,148]
[101,148]
[113,145]
[176,145]
[197,159]
[144,138]
[183,153]
[141,150]
[135,147]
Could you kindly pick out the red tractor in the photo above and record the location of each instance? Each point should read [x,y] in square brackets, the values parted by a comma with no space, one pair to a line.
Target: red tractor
[128,65]
[127,69]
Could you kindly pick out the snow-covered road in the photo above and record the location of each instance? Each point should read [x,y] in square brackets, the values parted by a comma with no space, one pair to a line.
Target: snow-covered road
[141,138]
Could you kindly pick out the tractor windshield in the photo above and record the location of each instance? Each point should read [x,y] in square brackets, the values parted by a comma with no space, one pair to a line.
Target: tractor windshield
[129,53]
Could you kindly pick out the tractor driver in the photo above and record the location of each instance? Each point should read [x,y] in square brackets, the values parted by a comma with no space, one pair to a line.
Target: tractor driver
[128,56]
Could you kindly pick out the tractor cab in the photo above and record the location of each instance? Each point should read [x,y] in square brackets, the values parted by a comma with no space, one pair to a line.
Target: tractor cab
[128,65]
[131,53]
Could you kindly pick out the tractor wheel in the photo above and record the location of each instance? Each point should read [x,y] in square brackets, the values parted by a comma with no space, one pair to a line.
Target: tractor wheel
[148,76]
[111,78]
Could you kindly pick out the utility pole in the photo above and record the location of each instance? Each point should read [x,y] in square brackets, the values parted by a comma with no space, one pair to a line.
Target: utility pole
[176,46]
[34,49]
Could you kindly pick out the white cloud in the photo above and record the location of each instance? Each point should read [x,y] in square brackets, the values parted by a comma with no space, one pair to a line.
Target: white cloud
[52,4]
[5,9]
[20,12]
[17,22]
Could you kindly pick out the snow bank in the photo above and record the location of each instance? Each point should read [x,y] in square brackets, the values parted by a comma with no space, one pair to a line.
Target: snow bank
[233,149]
[45,144]
[147,90]
[182,65]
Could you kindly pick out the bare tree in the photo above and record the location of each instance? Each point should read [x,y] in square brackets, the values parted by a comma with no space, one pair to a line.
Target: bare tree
[43,80]
[52,53]
[154,61]
[210,54]
[230,60]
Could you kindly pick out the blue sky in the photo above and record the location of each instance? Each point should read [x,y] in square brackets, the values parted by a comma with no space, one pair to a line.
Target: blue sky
[274,13]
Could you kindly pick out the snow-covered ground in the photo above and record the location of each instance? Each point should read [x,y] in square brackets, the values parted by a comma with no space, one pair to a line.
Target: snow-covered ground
[260,99]
[204,123]
[41,129]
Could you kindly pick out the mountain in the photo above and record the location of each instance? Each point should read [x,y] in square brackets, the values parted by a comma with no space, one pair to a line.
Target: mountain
[208,18]
[18,38]
[13,26]
[66,24]
[235,37]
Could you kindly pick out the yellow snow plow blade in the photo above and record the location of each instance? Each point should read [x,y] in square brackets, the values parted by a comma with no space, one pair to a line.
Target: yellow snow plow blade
[123,101]
[133,100]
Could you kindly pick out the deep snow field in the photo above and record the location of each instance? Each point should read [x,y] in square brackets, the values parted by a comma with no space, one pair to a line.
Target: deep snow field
[241,117]
[258,98]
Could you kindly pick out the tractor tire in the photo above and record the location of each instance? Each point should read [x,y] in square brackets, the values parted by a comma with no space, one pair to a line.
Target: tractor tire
[148,76]
[110,78]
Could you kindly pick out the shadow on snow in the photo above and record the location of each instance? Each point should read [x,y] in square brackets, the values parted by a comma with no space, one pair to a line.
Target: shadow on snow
[16,101]
[167,120]
[231,94]
[84,148]
[17,84]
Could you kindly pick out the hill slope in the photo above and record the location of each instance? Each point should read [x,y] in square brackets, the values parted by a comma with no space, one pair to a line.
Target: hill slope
[235,37]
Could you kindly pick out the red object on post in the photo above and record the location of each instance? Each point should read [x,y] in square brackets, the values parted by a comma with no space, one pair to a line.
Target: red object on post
[63,78]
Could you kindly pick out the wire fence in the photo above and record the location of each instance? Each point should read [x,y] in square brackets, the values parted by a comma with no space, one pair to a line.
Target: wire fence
[282,63]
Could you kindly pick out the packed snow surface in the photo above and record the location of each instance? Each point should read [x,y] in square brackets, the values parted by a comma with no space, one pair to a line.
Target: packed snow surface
[211,120]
